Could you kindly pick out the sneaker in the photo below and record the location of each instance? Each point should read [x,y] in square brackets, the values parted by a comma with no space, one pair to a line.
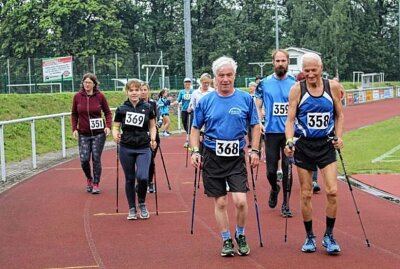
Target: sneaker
[315,187]
[96,189]
[89,186]
[186,145]
[273,197]
[330,244]
[279,175]
[227,248]
[132,214]
[309,244]
[243,247]
[285,211]
[143,212]
[150,187]
[166,133]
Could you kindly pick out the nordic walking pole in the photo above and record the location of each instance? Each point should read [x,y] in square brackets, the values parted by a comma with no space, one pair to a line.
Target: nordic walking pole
[351,191]
[155,185]
[187,139]
[255,202]
[165,169]
[289,185]
[198,181]
[117,180]
[194,200]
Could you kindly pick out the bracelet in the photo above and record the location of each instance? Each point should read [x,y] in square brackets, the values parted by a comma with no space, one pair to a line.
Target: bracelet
[194,149]
[196,152]
[255,151]
[115,128]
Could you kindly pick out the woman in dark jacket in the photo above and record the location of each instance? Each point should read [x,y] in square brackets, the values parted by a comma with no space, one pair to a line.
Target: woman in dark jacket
[88,125]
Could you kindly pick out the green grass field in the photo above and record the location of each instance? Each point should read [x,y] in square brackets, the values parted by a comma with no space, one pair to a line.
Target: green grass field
[367,143]
[361,146]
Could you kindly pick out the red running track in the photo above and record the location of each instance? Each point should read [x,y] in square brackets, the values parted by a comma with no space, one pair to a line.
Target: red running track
[49,221]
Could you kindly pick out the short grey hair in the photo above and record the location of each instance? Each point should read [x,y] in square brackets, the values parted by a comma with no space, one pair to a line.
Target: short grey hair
[252,84]
[310,56]
[222,61]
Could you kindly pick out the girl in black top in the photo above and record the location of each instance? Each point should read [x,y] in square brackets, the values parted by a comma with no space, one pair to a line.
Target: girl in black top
[136,118]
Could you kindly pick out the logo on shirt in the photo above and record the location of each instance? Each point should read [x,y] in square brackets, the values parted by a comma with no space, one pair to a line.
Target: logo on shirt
[235,111]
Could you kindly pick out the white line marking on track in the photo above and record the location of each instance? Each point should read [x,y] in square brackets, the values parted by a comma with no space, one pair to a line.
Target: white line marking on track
[75,267]
[386,154]
[124,213]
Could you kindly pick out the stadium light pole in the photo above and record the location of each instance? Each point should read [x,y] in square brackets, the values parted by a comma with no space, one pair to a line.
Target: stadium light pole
[277,25]
[188,39]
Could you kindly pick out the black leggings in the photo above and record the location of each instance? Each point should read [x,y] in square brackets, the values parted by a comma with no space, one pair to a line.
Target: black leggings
[91,146]
[185,120]
[274,146]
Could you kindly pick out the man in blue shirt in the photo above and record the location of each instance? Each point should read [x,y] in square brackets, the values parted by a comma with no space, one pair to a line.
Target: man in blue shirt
[273,93]
[226,114]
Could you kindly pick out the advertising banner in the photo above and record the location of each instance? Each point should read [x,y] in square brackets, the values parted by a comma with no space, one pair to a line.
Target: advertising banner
[57,68]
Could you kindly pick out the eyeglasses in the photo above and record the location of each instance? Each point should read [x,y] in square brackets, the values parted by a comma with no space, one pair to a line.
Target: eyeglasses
[88,82]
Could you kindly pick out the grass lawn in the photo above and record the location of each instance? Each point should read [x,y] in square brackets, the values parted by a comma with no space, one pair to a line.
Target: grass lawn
[368,143]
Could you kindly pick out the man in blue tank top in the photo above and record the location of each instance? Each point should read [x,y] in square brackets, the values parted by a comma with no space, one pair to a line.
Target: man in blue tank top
[314,117]
[226,114]
[273,92]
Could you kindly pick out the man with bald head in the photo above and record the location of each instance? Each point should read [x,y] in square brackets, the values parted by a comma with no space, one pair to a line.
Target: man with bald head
[314,118]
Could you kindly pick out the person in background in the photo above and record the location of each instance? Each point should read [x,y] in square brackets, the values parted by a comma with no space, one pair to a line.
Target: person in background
[184,97]
[272,93]
[145,95]
[89,128]
[163,104]
[136,118]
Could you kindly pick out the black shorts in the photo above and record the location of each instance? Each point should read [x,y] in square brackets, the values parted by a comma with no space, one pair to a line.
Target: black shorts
[219,170]
[313,153]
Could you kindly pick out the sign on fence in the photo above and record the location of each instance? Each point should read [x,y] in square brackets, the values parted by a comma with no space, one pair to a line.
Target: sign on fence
[57,67]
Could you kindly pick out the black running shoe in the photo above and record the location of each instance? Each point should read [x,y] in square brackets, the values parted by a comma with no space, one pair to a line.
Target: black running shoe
[273,197]
[285,211]
[243,247]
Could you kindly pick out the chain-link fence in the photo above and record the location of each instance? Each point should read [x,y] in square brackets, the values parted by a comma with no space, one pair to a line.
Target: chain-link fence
[26,75]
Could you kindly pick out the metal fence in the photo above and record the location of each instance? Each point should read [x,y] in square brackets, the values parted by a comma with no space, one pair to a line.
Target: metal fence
[26,75]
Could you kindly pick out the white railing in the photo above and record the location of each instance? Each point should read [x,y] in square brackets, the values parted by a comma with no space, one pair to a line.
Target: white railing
[32,120]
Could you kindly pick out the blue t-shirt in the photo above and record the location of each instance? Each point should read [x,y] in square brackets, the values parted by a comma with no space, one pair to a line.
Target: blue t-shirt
[184,97]
[225,117]
[163,104]
[315,114]
[275,94]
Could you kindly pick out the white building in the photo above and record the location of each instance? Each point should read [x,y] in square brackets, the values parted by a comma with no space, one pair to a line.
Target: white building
[295,55]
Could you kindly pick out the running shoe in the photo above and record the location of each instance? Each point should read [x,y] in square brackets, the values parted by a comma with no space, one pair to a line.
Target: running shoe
[143,212]
[309,245]
[227,248]
[96,189]
[273,197]
[150,187]
[89,186]
[166,133]
[186,145]
[315,187]
[132,214]
[243,247]
[279,175]
[330,244]
[285,211]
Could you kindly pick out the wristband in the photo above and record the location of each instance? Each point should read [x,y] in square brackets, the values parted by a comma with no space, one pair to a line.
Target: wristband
[289,140]
[255,151]
[195,152]
[194,149]
[115,128]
